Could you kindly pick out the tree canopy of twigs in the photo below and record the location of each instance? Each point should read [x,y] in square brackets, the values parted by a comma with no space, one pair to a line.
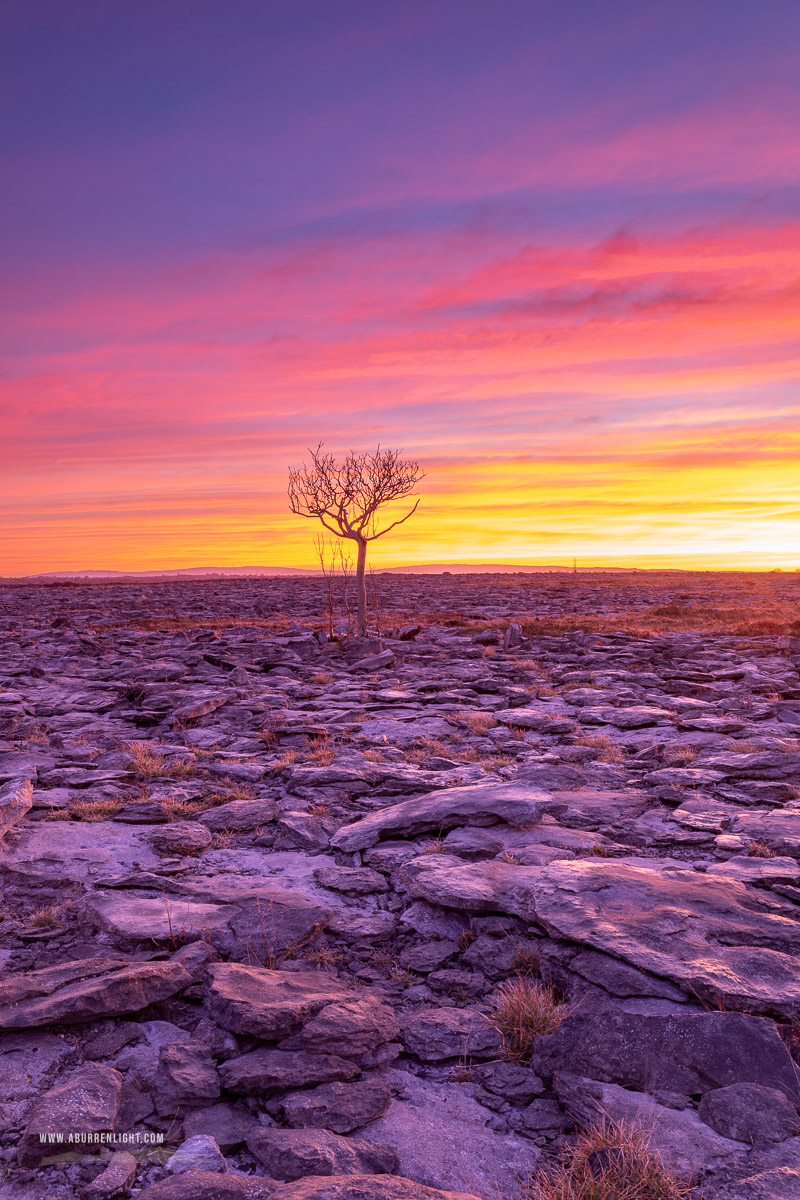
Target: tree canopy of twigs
[347,496]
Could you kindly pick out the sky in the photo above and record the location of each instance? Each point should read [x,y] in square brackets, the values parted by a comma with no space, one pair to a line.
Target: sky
[550,249]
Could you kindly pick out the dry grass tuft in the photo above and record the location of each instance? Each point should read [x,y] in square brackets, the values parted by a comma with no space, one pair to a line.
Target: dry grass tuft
[93,810]
[610,1161]
[149,764]
[47,917]
[607,748]
[223,839]
[322,752]
[479,722]
[683,754]
[526,960]
[434,846]
[523,1011]
[760,849]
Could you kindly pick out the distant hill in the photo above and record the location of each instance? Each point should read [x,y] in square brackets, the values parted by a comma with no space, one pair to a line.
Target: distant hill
[243,572]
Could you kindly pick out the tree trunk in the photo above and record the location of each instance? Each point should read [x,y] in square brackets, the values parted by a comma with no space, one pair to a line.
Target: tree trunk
[361,587]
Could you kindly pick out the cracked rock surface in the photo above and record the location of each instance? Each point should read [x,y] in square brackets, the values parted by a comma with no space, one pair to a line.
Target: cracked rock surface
[266,891]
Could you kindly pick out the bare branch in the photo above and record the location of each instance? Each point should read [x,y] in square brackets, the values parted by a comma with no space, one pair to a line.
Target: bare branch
[399,521]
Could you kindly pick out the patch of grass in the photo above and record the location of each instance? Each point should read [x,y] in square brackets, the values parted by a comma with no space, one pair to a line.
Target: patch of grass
[758,848]
[526,960]
[478,723]
[46,917]
[322,678]
[93,810]
[498,761]
[683,754]
[375,756]
[149,764]
[286,760]
[607,749]
[181,810]
[222,839]
[508,857]
[523,1011]
[326,957]
[321,752]
[434,846]
[610,1161]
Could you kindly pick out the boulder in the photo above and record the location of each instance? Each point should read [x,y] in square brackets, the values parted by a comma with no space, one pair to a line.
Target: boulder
[186,1078]
[35,997]
[16,799]
[438,1033]
[65,1118]
[481,804]
[687,1146]
[750,1112]
[269,1004]
[341,1107]
[239,816]
[353,1029]
[710,935]
[184,837]
[115,1179]
[289,1154]
[200,1153]
[478,887]
[672,1054]
[228,1125]
[264,1071]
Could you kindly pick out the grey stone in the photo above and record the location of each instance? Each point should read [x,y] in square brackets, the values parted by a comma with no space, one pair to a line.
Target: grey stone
[439,1033]
[16,799]
[483,804]
[265,1071]
[750,1112]
[86,1102]
[290,1154]
[199,1153]
[341,1107]
[269,1004]
[675,1053]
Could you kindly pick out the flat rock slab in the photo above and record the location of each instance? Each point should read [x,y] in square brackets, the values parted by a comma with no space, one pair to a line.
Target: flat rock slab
[482,804]
[479,887]
[40,998]
[144,919]
[210,1185]
[59,852]
[269,1004]
[16,799]
[388,731]
[687,1145]
[86,1102]
[351,1187]
[638,717]
[682,1054]
[290,1154]
[712,936]
[591,808]
[442,1138]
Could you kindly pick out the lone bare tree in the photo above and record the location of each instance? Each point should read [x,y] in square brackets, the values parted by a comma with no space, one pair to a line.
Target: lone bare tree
[347,496]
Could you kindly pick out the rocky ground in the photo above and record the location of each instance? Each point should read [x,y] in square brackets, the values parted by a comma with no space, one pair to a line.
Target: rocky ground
[392,919]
